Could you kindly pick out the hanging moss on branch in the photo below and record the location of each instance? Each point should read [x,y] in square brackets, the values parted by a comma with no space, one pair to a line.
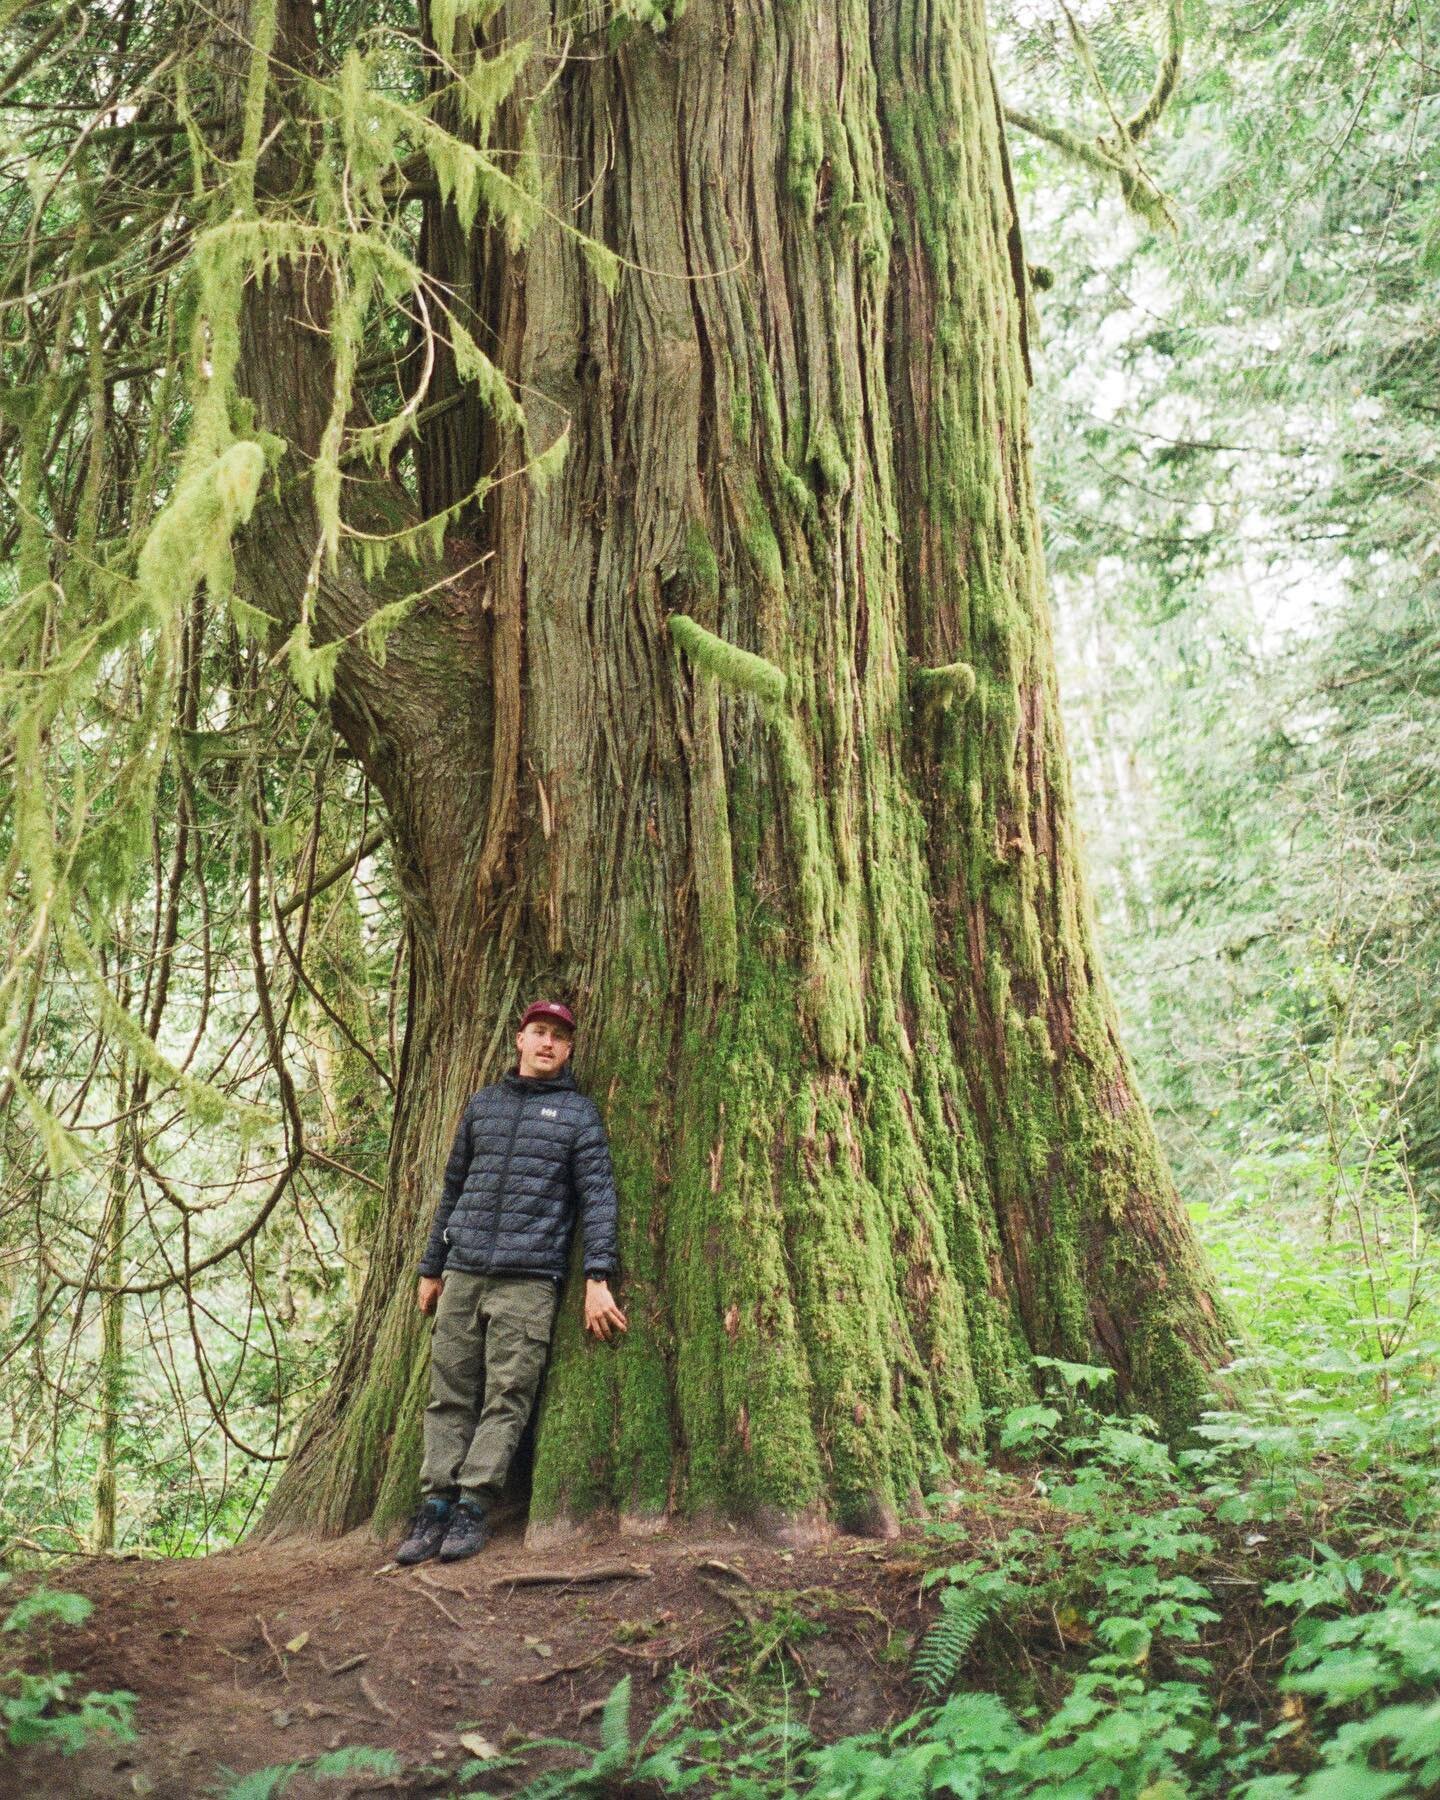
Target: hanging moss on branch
[1116,152]
[190,541]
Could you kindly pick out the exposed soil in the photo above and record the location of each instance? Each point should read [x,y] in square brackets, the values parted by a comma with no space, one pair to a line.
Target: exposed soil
[265,1655]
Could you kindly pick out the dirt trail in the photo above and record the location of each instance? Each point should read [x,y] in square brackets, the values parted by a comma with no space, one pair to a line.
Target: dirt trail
[411,1659]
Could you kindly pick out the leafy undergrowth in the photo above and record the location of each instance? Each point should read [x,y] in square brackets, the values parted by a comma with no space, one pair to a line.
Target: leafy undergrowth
[1256,1617]
[1097,1618]
[37,1706]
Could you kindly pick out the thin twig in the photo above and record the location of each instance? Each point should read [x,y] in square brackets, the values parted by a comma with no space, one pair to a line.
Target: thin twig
[443,1587]
[564,1668]
[368,1690]
[351,860]
[440,1606]
[275,1650]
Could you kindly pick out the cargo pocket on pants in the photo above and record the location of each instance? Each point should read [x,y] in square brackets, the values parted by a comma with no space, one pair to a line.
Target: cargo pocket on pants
[539,1330]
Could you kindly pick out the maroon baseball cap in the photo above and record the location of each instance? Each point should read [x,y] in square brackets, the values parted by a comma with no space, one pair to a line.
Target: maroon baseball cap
[549,1009]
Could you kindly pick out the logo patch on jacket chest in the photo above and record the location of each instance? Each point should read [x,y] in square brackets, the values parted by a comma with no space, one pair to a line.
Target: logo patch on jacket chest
[549,1112]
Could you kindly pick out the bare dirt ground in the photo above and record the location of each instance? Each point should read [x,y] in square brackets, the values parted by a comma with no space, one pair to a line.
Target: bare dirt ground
[266,1655]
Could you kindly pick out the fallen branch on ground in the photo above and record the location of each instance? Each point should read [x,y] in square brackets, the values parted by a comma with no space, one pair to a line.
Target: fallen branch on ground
[573,1577]
[350,1662]
[717,1567]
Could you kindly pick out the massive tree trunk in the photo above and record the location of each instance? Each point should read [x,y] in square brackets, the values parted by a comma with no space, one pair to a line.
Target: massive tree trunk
[819,905]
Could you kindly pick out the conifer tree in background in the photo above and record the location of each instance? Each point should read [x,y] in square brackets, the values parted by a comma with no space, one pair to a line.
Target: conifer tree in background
[619,419]
[1239,500]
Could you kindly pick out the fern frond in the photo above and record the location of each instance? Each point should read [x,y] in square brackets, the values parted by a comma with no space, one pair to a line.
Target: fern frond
[948,1642]
[615,1719]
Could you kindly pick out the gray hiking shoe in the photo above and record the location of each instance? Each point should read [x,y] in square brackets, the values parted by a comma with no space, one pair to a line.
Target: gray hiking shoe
[425,1533]
[467,1534]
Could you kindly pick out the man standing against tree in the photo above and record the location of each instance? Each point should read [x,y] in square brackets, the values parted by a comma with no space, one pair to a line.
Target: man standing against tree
[529,1152]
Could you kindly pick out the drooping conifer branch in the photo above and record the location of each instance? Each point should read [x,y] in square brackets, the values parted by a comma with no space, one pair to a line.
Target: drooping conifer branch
[1115,152]
[1144,118]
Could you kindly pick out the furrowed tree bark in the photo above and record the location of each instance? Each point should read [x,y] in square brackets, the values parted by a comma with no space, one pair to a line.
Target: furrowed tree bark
[1098,1255]
[750,747]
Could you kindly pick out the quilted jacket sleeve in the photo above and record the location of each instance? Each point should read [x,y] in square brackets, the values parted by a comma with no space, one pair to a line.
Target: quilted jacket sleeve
[595,1193]
[456,1169]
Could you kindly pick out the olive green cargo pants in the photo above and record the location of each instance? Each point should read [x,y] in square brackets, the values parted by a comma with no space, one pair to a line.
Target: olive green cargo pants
[491,1339]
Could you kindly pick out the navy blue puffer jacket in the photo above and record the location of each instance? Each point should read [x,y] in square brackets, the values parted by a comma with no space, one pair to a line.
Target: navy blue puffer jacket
[528,1151]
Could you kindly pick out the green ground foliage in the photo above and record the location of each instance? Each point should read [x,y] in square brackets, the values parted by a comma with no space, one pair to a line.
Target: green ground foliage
[39,1705]
[1253,1617]
[1256,1616]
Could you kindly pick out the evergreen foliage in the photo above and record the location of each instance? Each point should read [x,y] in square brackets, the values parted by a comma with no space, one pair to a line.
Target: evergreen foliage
[1240,528]
[194,1078]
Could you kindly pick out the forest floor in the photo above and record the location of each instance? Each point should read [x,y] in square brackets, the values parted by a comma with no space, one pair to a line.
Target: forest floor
[277,1652]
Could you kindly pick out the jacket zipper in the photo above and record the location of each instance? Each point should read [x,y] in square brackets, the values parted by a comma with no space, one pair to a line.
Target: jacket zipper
[504,1177]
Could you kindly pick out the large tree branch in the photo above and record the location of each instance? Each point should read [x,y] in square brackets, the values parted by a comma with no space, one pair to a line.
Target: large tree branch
[1141,194]
[1114,155]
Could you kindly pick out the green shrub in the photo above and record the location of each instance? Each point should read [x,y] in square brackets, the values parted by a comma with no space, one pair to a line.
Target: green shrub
[38,1708]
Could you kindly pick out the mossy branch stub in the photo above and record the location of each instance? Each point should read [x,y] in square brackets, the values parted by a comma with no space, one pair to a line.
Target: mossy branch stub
[943,686]
[739,669]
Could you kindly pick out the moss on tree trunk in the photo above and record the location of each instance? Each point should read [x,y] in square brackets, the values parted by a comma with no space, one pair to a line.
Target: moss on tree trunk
[751,747]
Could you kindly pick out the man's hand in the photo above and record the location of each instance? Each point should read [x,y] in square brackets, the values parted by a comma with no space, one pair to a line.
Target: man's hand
[602,1315]
[427,1295]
